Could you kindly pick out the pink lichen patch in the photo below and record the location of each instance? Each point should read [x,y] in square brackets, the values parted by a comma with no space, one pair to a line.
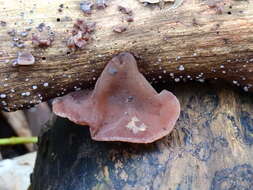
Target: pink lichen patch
[3,23]
[81,34]
[128,12]
[123,105]
[25,58]
[119,29]
[42,40]
[84,27]
[129,19]
[217,5]
[86,7]
[125,10]
[101,4]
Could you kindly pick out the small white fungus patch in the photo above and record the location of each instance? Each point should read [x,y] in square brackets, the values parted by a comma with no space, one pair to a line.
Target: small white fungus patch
[177,79]
[34,87]
[134,127]
[3,96]
[181,68]
[45,84]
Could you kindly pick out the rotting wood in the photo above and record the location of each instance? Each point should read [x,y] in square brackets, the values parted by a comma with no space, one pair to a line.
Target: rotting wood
[210,148]
[208,45]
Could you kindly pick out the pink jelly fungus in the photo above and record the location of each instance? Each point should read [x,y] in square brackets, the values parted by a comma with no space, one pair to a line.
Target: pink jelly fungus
[123,106]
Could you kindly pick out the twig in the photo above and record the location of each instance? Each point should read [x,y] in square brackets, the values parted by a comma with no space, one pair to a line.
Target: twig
[17,120]
[17,140]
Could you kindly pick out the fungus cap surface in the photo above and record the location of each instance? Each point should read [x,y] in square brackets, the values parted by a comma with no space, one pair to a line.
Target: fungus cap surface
[123,106]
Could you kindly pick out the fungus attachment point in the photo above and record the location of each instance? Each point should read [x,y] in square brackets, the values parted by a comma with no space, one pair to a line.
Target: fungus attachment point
[123,105]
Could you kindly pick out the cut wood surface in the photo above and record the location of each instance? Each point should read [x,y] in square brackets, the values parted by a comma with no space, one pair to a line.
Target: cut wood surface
[210,148]
[198,40]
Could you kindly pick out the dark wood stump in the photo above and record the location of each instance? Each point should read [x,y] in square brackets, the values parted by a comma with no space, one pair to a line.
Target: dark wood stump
[209,149]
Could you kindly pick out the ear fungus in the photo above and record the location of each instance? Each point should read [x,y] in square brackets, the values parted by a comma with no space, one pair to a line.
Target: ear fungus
[123,106]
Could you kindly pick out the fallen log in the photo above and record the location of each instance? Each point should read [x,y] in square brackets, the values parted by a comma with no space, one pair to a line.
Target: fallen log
[196,40]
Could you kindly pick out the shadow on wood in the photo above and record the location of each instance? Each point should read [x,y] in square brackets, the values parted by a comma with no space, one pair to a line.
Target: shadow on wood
[210,148]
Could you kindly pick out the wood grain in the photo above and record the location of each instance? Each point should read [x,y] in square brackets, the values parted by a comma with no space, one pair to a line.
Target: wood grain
[207,43]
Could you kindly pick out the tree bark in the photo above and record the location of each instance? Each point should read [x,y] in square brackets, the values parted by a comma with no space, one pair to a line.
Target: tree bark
[198,40]
[210,148]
